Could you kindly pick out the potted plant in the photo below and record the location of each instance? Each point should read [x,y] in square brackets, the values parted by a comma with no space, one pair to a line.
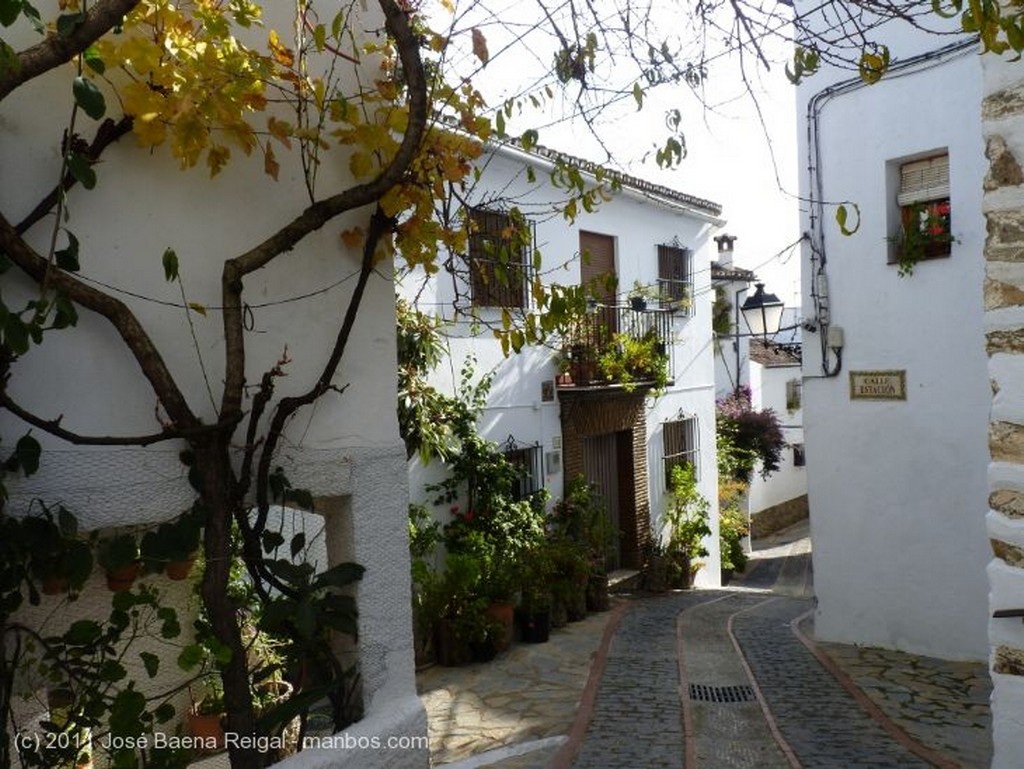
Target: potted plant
[460,608]
[631,361]
[120,558]
[206,716]
[173,546]
[57,558]
[655,567]
[688,519]
[534,613]
[732,527]
[639,295]
[570,577]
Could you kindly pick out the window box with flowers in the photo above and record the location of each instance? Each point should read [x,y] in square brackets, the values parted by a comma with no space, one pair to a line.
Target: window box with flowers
[924,214]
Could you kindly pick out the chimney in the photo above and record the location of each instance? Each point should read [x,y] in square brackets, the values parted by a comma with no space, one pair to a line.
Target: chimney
[725,249]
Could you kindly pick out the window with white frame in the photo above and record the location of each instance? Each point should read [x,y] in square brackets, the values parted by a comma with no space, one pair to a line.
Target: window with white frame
[675,278]
[500,247]
[925,214]
[680,445]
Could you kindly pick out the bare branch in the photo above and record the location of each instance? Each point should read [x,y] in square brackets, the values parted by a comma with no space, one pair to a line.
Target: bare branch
[120,316]
[108,133]
[56,49]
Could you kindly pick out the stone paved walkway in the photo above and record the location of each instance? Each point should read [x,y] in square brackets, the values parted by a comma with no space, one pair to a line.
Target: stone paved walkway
[614,691]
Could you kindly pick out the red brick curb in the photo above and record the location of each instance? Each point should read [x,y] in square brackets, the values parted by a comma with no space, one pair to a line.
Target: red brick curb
[895,731]
[569,749]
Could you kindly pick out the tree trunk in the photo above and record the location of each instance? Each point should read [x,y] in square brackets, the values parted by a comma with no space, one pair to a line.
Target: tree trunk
[217,482]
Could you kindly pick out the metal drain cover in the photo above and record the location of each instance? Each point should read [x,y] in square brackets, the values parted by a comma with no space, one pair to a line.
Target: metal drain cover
[704,693]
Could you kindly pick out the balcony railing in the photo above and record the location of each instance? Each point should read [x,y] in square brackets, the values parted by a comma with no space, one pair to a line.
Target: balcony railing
[602,332]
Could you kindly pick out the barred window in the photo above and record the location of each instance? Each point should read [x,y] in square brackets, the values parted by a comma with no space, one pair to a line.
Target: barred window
[675,278]
[794,394]
[527,461]
[681,445]
[499,251]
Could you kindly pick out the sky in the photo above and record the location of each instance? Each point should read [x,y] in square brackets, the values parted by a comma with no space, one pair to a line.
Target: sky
[733,158]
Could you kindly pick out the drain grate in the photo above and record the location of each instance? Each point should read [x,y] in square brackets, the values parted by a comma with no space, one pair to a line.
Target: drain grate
[704,693]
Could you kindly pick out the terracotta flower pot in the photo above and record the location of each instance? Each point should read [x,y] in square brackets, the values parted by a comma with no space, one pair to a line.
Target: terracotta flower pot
[504,613]
[207,728]
[179,570]
[121,579]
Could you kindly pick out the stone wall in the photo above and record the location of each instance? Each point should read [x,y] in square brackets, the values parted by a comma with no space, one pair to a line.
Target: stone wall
[778,517]
[1003,116]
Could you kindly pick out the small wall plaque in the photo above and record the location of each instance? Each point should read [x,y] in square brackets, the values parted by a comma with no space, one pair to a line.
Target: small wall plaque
[878,385]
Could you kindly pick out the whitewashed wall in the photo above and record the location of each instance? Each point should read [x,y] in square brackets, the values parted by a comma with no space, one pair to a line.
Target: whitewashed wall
[346,447]
[768,391]
[515,407]
[896,488]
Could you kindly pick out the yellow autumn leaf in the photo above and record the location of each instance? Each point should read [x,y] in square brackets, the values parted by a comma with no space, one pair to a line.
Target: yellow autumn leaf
[361,165]
[353,238]
[281,53]
[216,158]
[480,46]
[270,165]
[280,130]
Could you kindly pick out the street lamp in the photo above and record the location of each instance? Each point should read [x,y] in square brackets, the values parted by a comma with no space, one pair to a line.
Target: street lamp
[762,313]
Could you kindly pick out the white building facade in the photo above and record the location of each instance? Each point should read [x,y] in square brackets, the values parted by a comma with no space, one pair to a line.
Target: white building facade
[550,399]
[776,383]
[895,390]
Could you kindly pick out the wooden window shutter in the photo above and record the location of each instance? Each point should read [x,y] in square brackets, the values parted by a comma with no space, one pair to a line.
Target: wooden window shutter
[924,180]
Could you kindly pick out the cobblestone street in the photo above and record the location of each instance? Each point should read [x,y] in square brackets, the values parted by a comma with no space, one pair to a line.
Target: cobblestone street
[719,679]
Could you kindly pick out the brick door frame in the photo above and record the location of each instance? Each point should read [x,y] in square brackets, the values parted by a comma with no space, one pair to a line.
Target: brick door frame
[592,413]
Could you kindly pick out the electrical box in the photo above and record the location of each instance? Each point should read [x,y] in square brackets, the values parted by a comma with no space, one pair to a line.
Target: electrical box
[835,337]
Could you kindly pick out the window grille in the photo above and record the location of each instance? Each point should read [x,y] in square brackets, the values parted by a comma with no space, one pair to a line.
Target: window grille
[500,247]
[527,460]
[675,278]
[681,445]
[794,394]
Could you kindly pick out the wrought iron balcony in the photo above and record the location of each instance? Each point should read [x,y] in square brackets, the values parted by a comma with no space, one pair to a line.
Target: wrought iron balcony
[617,345]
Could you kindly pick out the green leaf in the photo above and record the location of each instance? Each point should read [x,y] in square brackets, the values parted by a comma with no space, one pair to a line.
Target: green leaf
[84,632]
[66,522]
[28,451]
[81,169]
[272,540]
[112,671]
[298,543]
[638,94]
[93,61]
[151,662]
[340,575]
[190,657]
[9,11]
[196,307]
[89,97]
[170,261]
[126,713]
[66,314]
[164,713]
[529,139]
[67,258]
[499,123]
